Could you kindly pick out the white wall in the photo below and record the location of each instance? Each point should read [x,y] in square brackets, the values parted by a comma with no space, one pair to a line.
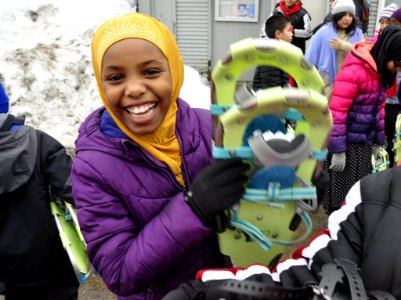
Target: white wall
[317,9]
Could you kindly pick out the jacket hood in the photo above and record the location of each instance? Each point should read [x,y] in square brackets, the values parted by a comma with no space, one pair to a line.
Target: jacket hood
[362,50]
[95,139]
[18,157]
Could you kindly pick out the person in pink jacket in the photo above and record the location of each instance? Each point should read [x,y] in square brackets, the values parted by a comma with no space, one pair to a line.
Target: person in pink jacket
[357,106]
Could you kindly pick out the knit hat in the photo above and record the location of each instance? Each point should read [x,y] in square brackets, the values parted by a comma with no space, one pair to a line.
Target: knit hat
[397,14]
[340,6]
[388,11]
[3,100]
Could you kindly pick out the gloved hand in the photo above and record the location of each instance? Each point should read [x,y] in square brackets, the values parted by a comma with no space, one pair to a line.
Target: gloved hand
[338,162]
[376,150]
[217,188]
[321,182]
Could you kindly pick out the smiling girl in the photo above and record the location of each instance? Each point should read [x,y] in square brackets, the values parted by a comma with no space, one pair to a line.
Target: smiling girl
[145,208]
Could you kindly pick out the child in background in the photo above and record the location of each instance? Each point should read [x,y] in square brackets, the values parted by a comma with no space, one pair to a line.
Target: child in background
[392,109]
[331,43]
[145,208]
[276,27]
[357,106]
[299,18]
[393,106]
[384,19]
[33,263]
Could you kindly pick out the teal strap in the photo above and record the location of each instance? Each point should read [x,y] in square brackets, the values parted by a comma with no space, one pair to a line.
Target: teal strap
[224,153]
[245,152]
[263,241]
[254,233]
[376,168]
[293,114]
[274,193]
[218,110]
[83,277]
[320,155]
[308,225]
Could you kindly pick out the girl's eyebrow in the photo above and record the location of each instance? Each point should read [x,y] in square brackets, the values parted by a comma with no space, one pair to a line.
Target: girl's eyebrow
[145,63]
[152,61]
[112,68]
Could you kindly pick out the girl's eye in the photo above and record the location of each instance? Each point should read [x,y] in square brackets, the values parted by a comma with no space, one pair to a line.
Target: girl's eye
[151,72]
[114,77]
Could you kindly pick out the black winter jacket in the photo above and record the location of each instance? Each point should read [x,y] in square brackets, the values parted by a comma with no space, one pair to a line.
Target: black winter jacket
[31,251]
[359,8]
[267,76]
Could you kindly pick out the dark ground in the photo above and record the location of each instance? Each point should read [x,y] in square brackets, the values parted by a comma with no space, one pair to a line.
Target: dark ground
[94,289]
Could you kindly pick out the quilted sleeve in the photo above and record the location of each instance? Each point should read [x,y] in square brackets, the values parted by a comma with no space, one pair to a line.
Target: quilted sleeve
[345,89]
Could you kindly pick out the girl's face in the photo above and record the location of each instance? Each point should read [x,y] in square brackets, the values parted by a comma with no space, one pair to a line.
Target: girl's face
[383,22]
[286,34]
[345,21]
[137,84]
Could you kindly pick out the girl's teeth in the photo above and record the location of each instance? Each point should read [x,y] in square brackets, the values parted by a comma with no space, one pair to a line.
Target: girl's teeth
[137,110]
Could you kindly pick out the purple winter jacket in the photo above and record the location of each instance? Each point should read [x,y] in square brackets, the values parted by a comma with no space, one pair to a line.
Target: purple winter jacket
[142,237]
[357,101]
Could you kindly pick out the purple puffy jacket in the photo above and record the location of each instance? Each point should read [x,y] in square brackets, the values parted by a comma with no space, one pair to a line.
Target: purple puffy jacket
[142,237]
[357,101]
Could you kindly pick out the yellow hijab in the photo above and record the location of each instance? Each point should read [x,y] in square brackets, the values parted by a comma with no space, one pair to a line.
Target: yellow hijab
[162,144]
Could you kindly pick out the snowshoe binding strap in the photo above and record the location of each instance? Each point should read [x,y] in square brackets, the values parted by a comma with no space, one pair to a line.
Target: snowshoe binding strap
[241,290]
[341,272]
[380,295]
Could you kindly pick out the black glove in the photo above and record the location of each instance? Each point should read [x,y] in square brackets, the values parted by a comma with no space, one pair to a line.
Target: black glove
[321,182]
[217,188]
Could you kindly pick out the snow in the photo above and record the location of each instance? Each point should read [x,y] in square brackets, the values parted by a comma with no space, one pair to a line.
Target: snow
[45,62]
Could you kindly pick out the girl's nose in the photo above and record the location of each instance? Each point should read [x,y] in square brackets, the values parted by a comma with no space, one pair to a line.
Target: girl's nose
[134,88]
